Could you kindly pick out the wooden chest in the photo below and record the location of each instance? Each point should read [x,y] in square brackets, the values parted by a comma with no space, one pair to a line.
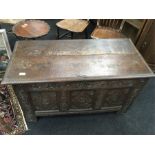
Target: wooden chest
[76,76]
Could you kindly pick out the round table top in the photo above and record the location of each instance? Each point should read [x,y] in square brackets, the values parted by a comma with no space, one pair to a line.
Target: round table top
[31,28]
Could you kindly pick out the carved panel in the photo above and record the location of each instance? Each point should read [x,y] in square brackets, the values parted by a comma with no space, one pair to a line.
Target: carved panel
[102,84]
[44,100]
[115,97]
[79,96]
[81,99]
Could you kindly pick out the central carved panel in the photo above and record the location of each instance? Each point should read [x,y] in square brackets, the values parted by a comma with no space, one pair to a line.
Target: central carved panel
[82,99]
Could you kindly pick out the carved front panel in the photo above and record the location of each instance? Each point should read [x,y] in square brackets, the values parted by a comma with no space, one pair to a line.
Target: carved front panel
[73,97]
[115,97]
[70,96]
[81,99]
[102,84]
[44,100]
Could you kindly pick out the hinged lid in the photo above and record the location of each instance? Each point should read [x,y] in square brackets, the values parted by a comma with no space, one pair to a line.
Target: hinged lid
[74,60]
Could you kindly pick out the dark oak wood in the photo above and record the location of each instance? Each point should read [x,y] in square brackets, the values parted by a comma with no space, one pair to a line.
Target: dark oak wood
[76,76]
[139,25]
[144,32]
[146,43]
[108,28]
[77,97]
[72,60]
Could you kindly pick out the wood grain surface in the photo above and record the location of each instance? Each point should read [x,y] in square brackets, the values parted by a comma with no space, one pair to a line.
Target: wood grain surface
[74,25]
[73,60]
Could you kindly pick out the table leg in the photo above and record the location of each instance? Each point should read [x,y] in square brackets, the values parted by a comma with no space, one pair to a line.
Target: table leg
[71,35]
[86,34]
[58,33]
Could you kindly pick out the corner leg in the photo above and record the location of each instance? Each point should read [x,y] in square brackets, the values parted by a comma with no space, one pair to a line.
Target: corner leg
[25,102]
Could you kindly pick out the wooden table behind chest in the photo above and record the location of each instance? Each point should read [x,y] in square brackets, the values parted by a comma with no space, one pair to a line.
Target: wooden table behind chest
[76,76]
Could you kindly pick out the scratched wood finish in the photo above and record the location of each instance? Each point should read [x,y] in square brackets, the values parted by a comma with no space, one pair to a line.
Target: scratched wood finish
[72,60]
[76,76]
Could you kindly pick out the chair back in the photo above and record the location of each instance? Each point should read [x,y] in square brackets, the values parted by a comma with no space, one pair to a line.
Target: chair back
[116,24]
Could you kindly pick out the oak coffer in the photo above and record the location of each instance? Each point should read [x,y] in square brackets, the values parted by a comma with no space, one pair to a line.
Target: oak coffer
[76,76]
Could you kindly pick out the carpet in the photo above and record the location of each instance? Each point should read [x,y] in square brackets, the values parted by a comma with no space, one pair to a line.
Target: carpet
[11,116]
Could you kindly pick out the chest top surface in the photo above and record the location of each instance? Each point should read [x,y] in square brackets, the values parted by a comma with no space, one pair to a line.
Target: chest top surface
[74,60]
